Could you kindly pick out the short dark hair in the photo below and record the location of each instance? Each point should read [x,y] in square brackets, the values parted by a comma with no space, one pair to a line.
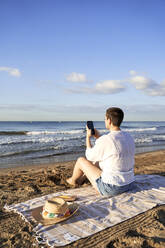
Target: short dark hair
[116,115]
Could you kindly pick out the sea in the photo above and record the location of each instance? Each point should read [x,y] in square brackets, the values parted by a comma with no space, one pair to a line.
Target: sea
[37,143]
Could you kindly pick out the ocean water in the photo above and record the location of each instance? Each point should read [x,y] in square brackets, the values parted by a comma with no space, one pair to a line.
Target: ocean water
[23,143]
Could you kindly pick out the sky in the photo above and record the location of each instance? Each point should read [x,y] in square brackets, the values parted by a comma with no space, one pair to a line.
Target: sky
[70,60]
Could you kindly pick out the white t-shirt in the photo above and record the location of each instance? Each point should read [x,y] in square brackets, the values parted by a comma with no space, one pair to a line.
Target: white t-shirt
[115,154]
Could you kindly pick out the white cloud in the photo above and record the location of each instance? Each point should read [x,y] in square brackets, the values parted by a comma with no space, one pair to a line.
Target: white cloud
[104,87]
[109,87]
[140,82]
[141,112]
[51,108]
[148,112]
[18,107]
[12,71]
[76,78]
[43,112]
[148,85]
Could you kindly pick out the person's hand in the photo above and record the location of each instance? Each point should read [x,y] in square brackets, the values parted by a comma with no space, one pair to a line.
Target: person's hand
[89,132]
[97,134]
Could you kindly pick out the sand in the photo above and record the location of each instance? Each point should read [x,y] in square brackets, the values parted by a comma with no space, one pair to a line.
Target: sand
[24,183]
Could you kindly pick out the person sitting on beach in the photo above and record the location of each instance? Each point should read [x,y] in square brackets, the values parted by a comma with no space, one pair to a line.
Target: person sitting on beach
[109,164]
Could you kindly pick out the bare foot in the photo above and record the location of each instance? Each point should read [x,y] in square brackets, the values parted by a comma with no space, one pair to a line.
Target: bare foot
[70,181]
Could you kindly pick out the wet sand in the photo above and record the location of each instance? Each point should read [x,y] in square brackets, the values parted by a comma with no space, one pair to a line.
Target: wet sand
[24,183]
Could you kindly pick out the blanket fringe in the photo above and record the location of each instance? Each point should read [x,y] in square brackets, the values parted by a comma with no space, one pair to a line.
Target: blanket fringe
[39,238]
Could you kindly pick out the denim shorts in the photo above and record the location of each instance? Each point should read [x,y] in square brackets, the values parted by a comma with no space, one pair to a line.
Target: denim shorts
[107,189]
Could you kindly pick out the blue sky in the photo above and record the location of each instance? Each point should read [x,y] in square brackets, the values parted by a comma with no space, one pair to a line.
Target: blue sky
[72,59]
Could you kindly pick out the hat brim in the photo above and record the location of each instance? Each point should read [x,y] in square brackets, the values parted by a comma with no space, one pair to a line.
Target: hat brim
[37,215]
[68,198]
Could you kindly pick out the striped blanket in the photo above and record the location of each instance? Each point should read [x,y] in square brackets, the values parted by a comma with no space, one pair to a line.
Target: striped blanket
[95,212]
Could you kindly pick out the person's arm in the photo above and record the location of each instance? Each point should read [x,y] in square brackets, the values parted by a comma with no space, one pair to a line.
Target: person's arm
[94,153]
[89,135]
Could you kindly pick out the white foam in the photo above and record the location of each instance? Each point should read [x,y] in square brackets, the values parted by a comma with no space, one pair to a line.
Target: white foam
[131,129]
[150,139]
[158,137]
[143,140]
[55,132]
[140,129]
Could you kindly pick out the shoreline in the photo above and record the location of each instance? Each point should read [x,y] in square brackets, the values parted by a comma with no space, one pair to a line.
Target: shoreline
[27,182]
[62,160]
[36,167]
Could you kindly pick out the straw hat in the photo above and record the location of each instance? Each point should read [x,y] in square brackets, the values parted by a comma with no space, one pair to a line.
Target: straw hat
[54,211]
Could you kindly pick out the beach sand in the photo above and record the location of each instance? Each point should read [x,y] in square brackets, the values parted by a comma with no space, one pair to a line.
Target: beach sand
[24,183]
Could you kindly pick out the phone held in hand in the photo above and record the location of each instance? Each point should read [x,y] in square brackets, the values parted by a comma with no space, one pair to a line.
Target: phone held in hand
[91,126]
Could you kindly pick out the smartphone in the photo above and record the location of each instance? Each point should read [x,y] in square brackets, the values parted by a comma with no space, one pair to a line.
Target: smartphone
[91,126]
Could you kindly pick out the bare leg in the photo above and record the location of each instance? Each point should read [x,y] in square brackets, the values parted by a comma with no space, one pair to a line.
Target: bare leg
[83,166]
[77,173]
[81,180]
